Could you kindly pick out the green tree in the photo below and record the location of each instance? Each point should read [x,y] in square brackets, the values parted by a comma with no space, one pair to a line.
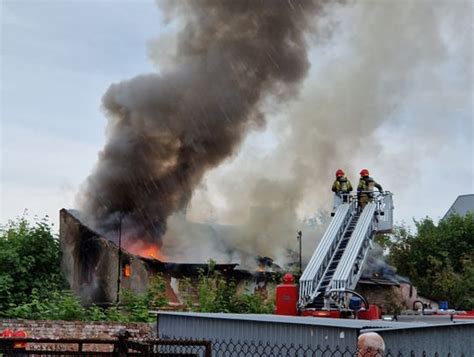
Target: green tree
[29,261]
[438,259]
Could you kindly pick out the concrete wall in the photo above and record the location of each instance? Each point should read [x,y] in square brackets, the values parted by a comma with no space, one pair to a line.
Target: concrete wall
[90,263]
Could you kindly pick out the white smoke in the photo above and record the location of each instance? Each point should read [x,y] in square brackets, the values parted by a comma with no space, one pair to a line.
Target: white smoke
[390,88]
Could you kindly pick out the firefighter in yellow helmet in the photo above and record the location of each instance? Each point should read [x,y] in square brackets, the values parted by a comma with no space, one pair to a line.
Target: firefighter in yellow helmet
[366,186]
[342,186]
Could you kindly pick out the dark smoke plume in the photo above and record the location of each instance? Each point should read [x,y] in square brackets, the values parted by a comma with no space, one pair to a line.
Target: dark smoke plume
[165,131]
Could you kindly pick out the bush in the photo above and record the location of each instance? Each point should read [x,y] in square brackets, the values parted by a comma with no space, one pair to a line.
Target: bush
[29,261]
[157,292]
[32,285]
[57,305]
[95,313]
[218,294]
[135,306]
[113,313]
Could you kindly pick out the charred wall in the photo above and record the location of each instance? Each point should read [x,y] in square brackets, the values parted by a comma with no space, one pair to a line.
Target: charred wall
[90,263]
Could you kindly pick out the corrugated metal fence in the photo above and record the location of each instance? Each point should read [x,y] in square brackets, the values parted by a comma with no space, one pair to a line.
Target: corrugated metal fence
[279,333]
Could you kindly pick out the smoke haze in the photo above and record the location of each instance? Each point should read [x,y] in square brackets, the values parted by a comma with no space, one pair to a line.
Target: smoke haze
[166,130]
[391,84]
[385,77]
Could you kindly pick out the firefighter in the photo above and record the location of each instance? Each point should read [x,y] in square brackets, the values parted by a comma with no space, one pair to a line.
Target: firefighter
[365,188]
[342,186]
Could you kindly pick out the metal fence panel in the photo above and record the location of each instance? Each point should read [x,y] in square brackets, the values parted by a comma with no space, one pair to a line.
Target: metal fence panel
[401,338]
[216,328]
[446,340]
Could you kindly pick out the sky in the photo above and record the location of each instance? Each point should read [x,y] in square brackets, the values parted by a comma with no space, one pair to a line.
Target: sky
[59,57]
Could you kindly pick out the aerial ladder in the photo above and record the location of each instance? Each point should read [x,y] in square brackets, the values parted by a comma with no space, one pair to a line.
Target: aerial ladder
[332,274]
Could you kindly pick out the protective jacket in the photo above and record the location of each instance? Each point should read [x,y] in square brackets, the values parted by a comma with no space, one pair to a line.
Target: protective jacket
[368,184]
[342,185]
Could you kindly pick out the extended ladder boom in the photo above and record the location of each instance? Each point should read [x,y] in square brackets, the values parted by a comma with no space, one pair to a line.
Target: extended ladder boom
[317,266]
[337,262]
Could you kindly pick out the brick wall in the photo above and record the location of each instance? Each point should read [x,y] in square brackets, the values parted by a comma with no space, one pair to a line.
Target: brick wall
[77,329]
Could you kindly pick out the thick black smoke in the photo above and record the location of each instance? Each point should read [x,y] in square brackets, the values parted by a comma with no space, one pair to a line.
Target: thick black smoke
[166,130]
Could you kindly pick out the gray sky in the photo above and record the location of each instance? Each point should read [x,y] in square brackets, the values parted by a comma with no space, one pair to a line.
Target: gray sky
[59,57]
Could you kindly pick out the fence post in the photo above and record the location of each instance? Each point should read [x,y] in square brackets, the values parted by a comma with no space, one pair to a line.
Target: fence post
[121,349]
[208,346]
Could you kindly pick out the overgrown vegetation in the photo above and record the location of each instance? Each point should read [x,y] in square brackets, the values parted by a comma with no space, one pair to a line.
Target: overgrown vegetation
[438,259]
[32,285]
[29,263]
[64,305]
[218,294]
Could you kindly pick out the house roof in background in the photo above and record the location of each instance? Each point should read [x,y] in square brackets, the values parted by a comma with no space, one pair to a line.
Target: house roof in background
[366,280]
[462,205]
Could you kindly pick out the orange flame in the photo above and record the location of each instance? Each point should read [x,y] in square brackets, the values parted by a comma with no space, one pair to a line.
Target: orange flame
[127,271]
[152,251]
[146,250]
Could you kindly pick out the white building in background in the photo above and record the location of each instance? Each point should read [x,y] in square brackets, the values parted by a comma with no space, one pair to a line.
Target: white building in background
[462,205]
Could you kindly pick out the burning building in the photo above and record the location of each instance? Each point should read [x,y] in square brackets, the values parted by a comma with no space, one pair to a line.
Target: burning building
[97,269]
[96,272]
[233,62]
